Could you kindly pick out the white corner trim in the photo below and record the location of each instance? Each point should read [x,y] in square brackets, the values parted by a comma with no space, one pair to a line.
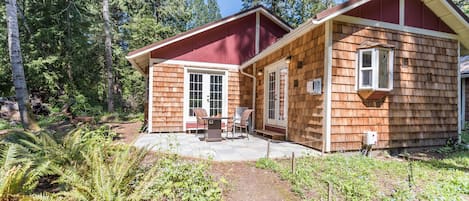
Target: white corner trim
[327,86]
[258,27]
[380,24]
[459,94]
[463,102]
[401,12]
[197,64]
[150,98]
[185,106]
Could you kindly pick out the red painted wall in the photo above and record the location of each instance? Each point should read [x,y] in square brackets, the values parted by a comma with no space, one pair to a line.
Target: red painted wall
[419,15]
[269,32]
[416,14]
[231,43]
[381,10]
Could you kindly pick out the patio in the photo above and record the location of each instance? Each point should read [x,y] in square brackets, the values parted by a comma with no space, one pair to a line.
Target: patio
[230,149]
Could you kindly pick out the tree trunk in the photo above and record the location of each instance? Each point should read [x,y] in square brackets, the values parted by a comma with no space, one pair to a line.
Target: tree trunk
[16,60]
[108,56]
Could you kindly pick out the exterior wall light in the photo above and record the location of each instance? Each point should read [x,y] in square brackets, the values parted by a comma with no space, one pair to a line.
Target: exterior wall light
[288,60]
[260,72]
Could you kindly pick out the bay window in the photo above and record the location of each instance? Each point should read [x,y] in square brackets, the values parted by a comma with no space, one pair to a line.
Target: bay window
[375,69]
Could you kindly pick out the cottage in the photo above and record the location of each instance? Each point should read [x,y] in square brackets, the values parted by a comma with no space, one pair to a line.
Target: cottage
[382,67]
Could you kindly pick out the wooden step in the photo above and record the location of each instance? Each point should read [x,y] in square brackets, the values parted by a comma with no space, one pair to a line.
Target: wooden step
[271,134]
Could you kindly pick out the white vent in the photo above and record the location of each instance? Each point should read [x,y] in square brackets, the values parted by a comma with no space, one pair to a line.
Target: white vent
[314,86]
[371,138]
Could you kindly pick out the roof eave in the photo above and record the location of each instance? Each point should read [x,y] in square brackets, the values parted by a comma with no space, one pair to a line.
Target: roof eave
[306,26]
[453,13]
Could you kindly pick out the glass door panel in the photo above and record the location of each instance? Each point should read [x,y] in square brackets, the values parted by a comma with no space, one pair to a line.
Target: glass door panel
[272,95]
[276,95]
[282,100]
[195,92]
[205,90]
[216,95]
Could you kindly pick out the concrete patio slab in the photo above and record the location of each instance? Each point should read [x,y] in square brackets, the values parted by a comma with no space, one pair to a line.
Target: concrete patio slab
[230,149]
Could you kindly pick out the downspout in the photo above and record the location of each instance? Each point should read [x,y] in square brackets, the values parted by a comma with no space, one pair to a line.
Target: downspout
[254,82]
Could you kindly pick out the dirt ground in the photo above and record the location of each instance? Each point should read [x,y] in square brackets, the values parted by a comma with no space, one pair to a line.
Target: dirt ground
[246,182]
[243,180]
[128,131]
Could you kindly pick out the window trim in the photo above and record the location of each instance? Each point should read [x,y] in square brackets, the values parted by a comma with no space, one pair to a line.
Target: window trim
[374,69]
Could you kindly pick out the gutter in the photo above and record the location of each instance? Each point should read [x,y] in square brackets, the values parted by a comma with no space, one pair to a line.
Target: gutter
[254,81]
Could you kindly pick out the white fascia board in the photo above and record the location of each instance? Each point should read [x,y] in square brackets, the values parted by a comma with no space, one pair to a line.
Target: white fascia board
[197,64]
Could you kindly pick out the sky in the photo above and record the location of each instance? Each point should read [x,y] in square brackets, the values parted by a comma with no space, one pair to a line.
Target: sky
[229,7]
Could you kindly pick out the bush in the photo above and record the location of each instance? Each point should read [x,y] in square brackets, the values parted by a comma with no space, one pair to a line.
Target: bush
[87,165]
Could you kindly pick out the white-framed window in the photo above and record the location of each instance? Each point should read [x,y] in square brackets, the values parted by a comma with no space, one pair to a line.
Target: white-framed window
[375,69]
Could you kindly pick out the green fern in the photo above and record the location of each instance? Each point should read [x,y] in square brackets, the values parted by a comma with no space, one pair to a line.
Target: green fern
[109,176]
[90,166]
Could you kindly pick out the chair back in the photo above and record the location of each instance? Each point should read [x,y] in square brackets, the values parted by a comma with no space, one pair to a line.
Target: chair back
[199,114]
[245,117]
[238,113]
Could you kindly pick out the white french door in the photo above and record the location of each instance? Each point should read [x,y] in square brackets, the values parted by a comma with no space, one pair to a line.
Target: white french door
[276,93]
[205,90]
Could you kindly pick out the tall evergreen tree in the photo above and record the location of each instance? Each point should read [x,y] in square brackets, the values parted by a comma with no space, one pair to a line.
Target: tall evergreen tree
[108,56]
[463,4]
[16,60]
[213,10]
[203,12]
[295,12]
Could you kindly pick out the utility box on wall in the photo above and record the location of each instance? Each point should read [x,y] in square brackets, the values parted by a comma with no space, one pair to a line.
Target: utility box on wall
[370,138]
[314,86]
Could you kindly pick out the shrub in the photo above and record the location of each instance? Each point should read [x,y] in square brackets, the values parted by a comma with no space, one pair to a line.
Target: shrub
[89,166]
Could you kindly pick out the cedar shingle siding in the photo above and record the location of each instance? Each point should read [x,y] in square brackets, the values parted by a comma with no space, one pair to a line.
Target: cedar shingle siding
[421,110]
[168,96]
[305,111]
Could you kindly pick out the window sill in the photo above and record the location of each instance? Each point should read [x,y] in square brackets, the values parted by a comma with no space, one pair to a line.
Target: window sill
[373,94]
